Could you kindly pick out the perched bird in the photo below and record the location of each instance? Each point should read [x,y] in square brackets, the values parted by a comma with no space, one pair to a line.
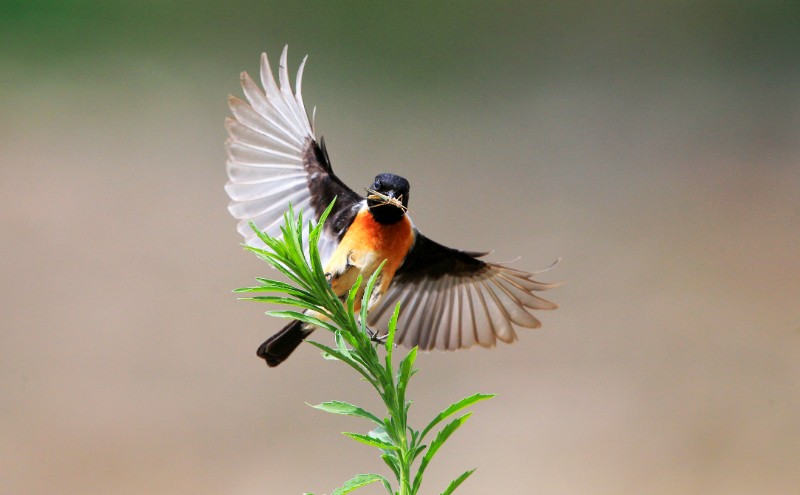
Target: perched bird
[450,299]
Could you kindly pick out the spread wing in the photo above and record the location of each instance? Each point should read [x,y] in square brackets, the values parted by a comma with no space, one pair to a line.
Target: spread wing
[274,159]
[451,300]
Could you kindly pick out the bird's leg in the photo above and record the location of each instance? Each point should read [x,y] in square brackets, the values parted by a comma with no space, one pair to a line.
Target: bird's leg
[374,337]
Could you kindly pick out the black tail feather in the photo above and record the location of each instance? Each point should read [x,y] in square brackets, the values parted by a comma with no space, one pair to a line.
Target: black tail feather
[278,347]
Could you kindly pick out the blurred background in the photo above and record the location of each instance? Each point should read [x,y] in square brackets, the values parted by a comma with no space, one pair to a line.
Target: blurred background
[654,146]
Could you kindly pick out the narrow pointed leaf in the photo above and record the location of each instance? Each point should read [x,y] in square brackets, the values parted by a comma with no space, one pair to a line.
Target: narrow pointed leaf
[454,484]
[348,359]
[369,290]
[351,296]
[389,344]
[369,440]
[406,369]
[393,464]
[416,451]
[388,486]
[436,444]
[288,301]
[275,286]
[358,481]
[296,315]
[454,408]
[333,352]
[340,407]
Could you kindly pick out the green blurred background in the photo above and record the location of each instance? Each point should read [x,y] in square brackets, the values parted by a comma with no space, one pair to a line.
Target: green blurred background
[655,146]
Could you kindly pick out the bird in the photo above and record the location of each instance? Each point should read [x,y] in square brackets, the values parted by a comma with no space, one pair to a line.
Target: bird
[450,298]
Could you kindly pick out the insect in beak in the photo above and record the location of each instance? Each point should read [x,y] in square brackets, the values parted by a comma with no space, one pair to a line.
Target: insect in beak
[385,200]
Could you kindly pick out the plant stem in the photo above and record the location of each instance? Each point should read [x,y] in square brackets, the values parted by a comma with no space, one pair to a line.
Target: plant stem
[356,349]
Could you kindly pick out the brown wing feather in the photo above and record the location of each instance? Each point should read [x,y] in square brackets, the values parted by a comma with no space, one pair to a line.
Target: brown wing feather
[450,299]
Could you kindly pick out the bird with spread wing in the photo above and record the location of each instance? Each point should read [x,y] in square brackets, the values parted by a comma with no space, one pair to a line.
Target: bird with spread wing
[450,299]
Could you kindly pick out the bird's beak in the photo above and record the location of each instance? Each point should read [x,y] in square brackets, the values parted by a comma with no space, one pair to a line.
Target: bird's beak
[385,198]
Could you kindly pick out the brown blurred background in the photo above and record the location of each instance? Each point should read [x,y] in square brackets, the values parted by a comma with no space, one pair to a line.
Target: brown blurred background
[656,148]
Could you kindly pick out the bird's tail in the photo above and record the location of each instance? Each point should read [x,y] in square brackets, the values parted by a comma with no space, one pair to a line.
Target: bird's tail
[278,347]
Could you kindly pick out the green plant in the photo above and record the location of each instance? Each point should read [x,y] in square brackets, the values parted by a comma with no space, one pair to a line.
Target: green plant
[400,445]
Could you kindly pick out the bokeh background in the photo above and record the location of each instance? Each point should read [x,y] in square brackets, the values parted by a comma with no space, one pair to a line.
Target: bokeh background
[654,146]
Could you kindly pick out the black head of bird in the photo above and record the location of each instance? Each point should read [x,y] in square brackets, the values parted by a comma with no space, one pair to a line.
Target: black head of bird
[388,198]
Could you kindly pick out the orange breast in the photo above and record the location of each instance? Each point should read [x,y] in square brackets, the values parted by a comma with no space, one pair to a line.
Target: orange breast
[390,242]
[365,245]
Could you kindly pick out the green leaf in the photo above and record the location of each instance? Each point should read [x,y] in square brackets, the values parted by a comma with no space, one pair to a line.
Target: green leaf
[388,486]
[335,354]
[366,439]
[454,408]
[351,296]
[340,407]
[368,292]
[416,451]
[358,481]
[329,357]
[441,437]
[389,344]
[288,301]
[406,369]
[393,463]
[340,343]
[296,315]
[316,268]
[382,435]
[307,289]
[348,359]
[454,484]
[279,264]
[389,347]
[407,365]
[276,286]
[343,338]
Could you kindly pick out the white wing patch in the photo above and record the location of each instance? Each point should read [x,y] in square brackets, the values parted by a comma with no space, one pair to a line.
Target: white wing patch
[268,135]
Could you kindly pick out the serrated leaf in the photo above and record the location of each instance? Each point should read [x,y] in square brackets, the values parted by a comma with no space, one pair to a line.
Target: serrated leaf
[347,409]
[435,445]
[454,408]
[416,451]
[406,369]
[454,484]
[368,440]
[382,435]
[389,343]
[358,481]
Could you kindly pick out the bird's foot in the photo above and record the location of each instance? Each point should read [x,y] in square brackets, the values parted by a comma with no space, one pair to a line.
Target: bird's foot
[374,337]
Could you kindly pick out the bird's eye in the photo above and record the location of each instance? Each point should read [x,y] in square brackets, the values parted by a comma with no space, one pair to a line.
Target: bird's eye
[378,184]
